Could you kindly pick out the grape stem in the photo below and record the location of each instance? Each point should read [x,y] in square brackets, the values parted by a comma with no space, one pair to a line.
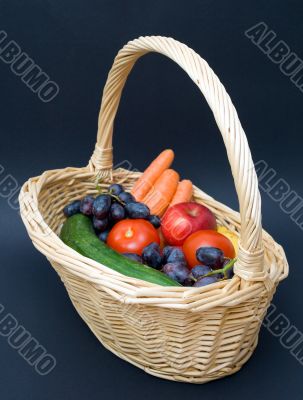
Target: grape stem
[116,198]
[111,194]
[222,270]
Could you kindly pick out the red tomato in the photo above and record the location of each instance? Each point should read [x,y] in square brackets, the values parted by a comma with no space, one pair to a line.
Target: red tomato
[132,235]
[206,238]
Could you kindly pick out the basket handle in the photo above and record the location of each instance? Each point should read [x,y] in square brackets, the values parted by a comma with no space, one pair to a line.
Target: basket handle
[250,263]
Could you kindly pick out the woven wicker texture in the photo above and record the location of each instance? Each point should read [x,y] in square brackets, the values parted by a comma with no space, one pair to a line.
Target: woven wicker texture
[178,333]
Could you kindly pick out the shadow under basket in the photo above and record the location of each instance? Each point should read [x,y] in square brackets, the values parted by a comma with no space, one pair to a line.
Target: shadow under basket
[177,333]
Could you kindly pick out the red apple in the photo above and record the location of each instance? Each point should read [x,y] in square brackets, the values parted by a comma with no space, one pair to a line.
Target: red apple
[183,219]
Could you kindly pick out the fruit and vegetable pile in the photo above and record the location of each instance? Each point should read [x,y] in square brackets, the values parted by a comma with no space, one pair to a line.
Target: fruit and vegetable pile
[155,232]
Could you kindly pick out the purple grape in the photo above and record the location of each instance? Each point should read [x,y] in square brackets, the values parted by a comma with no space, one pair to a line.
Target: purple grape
[205,281]
[72,208]
[137,210]
[126,197]
[226,261]
[100,224]
[103,235]
[188,282]
[166,252]
[176,255]
[101,206]
[133,256]
[151,255]
[200,270]
[172,254]
[230,272]
[86,206]
[211,256]
[117,212]
[176,271]
[115,189]
[154,245]
[154,220]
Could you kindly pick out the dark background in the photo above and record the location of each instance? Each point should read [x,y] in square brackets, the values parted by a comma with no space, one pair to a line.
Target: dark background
[75,42]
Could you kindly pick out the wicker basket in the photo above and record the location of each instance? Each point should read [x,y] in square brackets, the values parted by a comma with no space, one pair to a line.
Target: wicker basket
[178,333]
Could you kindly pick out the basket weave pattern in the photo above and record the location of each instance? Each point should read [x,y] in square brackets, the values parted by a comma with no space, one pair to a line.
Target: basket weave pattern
[178,333]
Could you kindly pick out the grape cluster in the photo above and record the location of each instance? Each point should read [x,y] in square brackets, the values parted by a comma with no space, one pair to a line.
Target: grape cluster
[171,261]
[109,208]
[214,267]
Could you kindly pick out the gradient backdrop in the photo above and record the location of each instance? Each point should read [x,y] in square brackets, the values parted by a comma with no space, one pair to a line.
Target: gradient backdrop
[75,42]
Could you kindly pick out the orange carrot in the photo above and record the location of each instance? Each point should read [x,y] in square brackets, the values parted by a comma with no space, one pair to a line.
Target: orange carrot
[159,197]
[145,183]
[183,193]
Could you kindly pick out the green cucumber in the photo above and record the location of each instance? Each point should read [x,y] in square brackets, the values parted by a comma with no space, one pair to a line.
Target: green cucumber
[78,233]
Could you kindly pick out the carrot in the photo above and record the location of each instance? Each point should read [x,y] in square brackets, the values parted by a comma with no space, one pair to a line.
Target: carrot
[159,197]
[183,193]
[145,183]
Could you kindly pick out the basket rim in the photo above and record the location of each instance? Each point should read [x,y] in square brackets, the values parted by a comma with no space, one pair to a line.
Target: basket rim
[132,290]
